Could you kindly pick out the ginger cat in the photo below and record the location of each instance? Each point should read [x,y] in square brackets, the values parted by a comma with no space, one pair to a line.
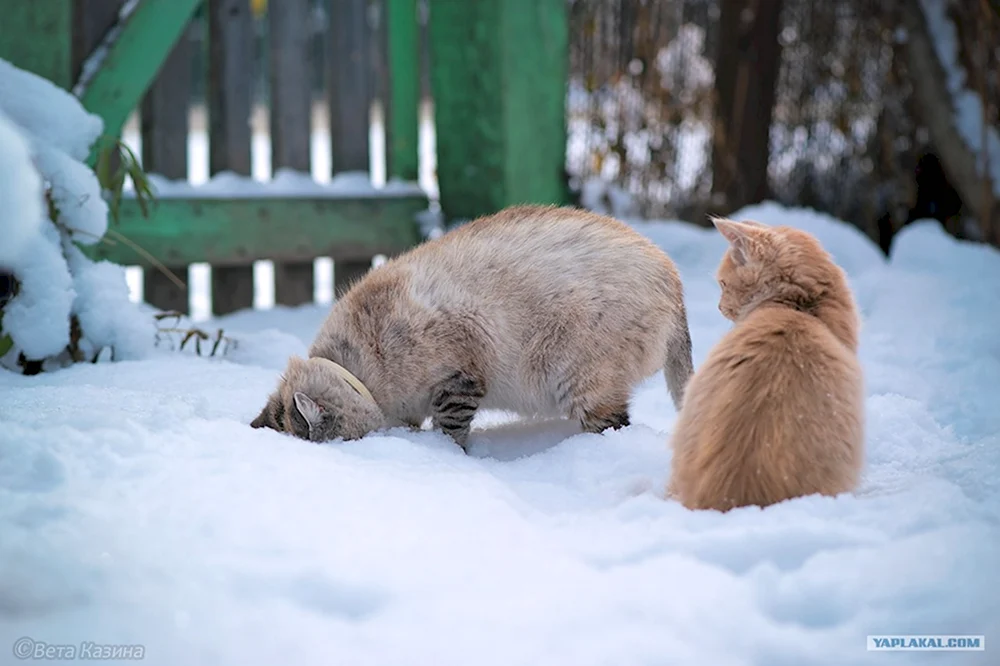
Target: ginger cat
[776,411]
[537,310]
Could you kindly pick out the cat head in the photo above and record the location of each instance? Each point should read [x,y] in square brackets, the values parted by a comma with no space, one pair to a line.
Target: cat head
[772,265]
[316,401]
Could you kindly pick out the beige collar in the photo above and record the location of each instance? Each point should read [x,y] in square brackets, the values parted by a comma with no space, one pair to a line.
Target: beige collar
[355,383]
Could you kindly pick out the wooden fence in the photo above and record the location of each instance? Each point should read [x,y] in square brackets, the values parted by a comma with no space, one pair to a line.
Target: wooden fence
[355,75]
[498,73]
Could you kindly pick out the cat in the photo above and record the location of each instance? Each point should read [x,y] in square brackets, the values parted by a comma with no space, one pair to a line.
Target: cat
[537,310]
[776,410]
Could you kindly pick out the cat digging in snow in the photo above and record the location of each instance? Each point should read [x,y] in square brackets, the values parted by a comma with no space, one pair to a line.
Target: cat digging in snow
[776,411]
[541,311]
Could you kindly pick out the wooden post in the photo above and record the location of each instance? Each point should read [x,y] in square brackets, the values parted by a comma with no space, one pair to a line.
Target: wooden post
[499,72]
[350,91]
[402,106]
[165,115]
[350,95]
[230,65]
[291,99]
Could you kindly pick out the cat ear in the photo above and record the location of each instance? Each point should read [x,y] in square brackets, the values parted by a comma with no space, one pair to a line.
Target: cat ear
[308,408]
[740,235]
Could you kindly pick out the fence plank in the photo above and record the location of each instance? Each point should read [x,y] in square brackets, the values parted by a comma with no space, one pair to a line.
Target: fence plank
[291,98]
[378,54]
[350,94]
[423,14]
[404,89]
[164,126]
[350,91]
[230,68]
[91,21]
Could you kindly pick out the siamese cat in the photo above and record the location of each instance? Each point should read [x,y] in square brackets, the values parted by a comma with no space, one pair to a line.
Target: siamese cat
[538,310]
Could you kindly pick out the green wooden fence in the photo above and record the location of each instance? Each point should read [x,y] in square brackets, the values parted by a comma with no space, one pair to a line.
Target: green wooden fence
[498,69]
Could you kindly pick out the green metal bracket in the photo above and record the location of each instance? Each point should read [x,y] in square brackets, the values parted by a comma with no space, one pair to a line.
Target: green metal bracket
[132,62]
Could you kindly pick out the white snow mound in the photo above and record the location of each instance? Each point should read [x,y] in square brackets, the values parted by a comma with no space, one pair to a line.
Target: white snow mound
[45,136]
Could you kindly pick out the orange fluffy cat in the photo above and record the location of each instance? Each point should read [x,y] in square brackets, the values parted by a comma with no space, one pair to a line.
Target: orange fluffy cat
[776,411]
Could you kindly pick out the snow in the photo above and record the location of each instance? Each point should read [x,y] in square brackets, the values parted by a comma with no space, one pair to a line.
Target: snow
[76,194]
[60,132]
[20,190]
[285,183]
[968,105]
[46,112]
[45,136]
[37,319]
[684,53]
[103,308]
[138,507]
[599,195]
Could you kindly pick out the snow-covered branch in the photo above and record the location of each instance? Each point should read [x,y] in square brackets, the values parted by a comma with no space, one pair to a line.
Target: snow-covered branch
[66,307]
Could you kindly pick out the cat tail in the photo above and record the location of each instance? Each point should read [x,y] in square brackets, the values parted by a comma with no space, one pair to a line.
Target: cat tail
[679,365]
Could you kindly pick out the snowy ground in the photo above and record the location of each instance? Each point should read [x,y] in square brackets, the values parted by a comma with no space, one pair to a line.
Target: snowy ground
[137,507]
